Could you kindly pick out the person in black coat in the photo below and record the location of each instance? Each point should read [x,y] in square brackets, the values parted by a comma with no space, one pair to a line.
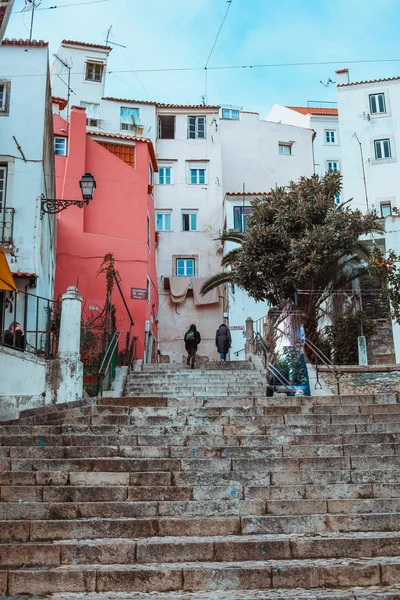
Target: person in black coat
[223,341]
[14,336]
[192,340]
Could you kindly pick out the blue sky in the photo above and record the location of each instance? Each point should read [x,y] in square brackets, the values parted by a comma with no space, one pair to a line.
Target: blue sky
[161,34]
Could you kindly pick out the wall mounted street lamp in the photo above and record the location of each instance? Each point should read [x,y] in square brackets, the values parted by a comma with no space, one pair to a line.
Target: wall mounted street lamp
[53,206]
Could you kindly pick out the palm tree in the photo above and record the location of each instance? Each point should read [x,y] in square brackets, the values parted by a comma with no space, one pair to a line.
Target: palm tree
[228,261]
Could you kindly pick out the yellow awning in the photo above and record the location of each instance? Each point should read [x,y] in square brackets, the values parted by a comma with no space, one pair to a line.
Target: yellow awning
[6,279]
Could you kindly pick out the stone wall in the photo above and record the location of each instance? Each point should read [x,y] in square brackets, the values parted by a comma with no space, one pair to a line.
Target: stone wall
[380,345]
[360,381]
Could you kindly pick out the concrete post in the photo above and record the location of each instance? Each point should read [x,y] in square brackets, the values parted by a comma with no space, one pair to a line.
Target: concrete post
[64,379]
[249,337]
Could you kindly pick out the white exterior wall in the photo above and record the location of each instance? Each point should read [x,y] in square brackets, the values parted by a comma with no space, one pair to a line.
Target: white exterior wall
[29,121]
[94,92]
[250,156]
[207,200]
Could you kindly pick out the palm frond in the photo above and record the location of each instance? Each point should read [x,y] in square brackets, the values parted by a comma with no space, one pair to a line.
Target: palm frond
[215,281]
[233,236]
[230,257]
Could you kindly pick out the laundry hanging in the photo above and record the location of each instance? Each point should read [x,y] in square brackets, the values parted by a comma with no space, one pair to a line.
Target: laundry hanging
[178,289]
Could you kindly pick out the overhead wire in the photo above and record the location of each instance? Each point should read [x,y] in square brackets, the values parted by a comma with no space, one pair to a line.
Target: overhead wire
[18,12]
[229,2]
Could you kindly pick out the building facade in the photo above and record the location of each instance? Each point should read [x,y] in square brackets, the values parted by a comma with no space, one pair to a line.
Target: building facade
[26,176]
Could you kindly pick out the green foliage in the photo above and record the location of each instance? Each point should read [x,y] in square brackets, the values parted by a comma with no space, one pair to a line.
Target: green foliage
[342,336]
[387,272]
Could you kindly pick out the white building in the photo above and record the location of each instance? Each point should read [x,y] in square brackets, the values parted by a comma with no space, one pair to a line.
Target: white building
[6,7]
[26,167]
[324,121]
[257,155]
[369,121]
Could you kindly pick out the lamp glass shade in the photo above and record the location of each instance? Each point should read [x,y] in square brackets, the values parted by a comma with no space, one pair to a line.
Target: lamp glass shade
[88,185]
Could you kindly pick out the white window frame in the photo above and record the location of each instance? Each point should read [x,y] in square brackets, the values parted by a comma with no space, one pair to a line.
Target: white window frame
[5,103]
[282,145]
[3,178]
[186,260]
[148,289]
[197,129]
[197,169]
[57,139]
[151,174]
[333,161]
[94,63]
[190,213]
[162,175]
[230,113]
[163,214]
[92,113]
[380,143]
[385,204]
[376,97]
[328,134]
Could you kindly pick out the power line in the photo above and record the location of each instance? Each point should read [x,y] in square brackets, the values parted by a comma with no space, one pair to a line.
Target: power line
[17,12]
[227,67]
[219,31]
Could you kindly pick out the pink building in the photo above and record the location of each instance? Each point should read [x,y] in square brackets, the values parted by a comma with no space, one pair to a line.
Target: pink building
[118,220]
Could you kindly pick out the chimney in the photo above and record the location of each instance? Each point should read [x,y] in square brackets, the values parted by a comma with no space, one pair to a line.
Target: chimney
[342,77]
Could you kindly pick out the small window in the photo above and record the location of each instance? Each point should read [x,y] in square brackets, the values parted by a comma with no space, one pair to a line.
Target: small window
[92,114]
[151,175]
[148,288]
[285,149]
[196,127]
[148,231]
[229,113]
[330,136]
[60,146]
[166,127]
[382,149]
[377,104]
[94,71]
[185,267]
[165,176]
[332,165]
[338,198]
[3,185]
[189,220]
[129,118]
[4,97]
[197,176]
[386,209]
[163,221]
[241,215]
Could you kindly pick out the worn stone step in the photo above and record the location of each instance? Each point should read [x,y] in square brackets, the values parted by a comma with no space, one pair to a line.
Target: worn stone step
[205,576]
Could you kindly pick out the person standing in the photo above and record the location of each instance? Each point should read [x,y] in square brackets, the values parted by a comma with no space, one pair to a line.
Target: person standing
[223,341]
[192,340]
[14,336]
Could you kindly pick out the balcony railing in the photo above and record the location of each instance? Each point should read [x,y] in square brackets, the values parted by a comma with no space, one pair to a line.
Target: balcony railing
[6,226]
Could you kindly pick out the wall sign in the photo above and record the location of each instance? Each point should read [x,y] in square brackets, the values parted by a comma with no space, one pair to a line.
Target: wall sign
[138,294]
[237,328]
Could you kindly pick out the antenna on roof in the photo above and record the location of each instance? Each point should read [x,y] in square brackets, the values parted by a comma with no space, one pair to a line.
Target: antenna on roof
[108,41]
[328,83]
[69,67]
[31,5]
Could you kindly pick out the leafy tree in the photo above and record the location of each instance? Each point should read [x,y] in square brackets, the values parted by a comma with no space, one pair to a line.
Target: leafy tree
[299,245]
[342,336]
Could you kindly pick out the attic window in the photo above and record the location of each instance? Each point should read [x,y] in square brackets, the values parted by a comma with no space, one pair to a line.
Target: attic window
[94,72]
[166,127]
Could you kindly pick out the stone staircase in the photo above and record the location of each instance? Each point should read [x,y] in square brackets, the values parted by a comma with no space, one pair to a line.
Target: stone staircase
[208,497]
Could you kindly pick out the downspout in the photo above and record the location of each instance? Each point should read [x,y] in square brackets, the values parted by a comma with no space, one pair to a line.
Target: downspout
[363,170]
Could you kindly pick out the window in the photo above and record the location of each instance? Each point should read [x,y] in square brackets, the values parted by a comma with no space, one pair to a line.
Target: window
[148,287]
[129,118]
[94,71]
[3,184]
[185,267]
[148,232]
[163,221]
[332,165]
[60,146]
[386,209]
[338,198]
[330,136]
[166,127]
[151,175]
[196,127]
[197,176]
[189,220]
[229,113]
[377,104]
[382,149]
[285,148]
[164,175]
[241,215]
[4,97]
[92,114]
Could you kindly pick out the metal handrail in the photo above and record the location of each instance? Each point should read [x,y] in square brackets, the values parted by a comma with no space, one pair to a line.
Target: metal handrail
[239,351]
[106,362]
[281,378]
[319,355]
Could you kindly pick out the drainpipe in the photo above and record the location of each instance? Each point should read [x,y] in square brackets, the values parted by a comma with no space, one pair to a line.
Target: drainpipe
[363,170]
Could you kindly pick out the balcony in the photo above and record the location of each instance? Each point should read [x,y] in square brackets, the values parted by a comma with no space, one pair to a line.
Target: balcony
[6,226]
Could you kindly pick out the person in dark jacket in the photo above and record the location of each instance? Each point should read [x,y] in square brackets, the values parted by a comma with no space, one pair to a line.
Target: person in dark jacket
[223,341]
[192,340]
[14,336]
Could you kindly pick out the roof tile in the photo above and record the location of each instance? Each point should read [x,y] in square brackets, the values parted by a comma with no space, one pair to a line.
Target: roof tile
[133,138]
[86,44]
[15,42]
[371,81]
[308,110]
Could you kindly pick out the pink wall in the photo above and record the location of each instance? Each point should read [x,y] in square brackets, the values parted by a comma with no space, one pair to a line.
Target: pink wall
[115,221]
